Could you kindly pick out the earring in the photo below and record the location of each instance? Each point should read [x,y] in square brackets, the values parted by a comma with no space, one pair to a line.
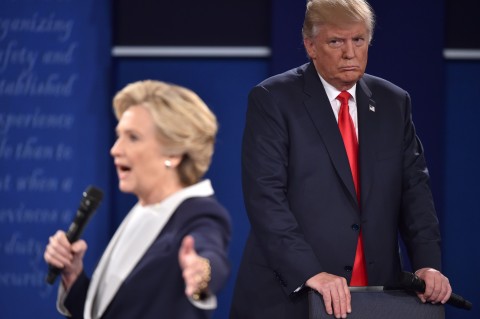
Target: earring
[168,163]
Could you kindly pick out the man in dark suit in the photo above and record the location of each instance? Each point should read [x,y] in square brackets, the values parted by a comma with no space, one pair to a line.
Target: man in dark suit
[316,221]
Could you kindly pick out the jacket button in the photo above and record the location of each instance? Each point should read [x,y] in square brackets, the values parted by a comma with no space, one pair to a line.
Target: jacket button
[348,268]
[355,227]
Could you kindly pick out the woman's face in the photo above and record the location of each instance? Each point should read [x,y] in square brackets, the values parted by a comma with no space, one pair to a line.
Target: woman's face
[138,155]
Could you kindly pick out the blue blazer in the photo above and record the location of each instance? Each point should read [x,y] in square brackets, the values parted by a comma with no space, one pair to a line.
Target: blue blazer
[155,288]
[300,197]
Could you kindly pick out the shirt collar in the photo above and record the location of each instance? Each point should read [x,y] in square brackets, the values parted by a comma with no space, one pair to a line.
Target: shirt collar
[332,92]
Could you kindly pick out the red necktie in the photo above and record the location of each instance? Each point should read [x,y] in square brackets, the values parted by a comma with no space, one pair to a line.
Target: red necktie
[347,129]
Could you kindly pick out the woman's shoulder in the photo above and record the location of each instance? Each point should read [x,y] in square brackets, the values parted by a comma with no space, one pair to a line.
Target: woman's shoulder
[202,204]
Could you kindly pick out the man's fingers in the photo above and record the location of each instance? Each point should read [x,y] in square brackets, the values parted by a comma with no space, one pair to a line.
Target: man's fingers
[441,289]
[348,297]
[437,286]
[335,293]
[428,290]
[340,309]
[327,300]
[436,289]
[337,303]
[336,297]
[447,295]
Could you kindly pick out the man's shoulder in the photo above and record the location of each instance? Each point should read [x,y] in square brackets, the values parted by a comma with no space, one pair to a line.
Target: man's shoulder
[287,78]
[375,83]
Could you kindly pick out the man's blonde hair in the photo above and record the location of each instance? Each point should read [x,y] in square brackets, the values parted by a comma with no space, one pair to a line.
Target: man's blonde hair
[320,12]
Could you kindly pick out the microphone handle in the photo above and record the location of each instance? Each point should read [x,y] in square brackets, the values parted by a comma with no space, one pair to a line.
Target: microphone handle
[53,273]
[459,302]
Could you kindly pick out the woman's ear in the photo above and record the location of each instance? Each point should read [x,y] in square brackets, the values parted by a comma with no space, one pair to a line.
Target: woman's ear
[173,161]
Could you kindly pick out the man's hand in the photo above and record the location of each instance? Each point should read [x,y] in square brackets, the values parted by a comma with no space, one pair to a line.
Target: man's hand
[335,292]
[437,286]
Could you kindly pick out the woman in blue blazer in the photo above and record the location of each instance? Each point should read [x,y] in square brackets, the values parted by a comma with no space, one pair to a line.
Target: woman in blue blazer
[168,258]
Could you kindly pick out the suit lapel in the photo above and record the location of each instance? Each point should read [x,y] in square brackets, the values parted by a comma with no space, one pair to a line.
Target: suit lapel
[321,113]
[131,251]
[368,118]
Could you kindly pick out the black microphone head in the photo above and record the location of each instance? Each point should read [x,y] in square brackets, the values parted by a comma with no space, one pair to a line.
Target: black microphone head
[92,197]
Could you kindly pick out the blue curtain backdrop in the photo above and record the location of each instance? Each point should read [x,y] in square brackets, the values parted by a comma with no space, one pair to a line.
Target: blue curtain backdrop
[56,127]
[461,188]
[54,138]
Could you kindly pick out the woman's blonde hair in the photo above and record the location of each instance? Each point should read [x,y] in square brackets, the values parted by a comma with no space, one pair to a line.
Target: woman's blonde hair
[185,125]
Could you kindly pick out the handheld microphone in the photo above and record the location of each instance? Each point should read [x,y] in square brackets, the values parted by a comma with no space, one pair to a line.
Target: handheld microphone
[92,197]
[410,281]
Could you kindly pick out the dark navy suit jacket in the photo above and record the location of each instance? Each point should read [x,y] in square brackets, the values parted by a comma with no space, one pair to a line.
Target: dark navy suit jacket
[155,288]
[300,197]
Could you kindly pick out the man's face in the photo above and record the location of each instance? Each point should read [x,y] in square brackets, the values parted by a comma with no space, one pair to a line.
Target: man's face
[340,53]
